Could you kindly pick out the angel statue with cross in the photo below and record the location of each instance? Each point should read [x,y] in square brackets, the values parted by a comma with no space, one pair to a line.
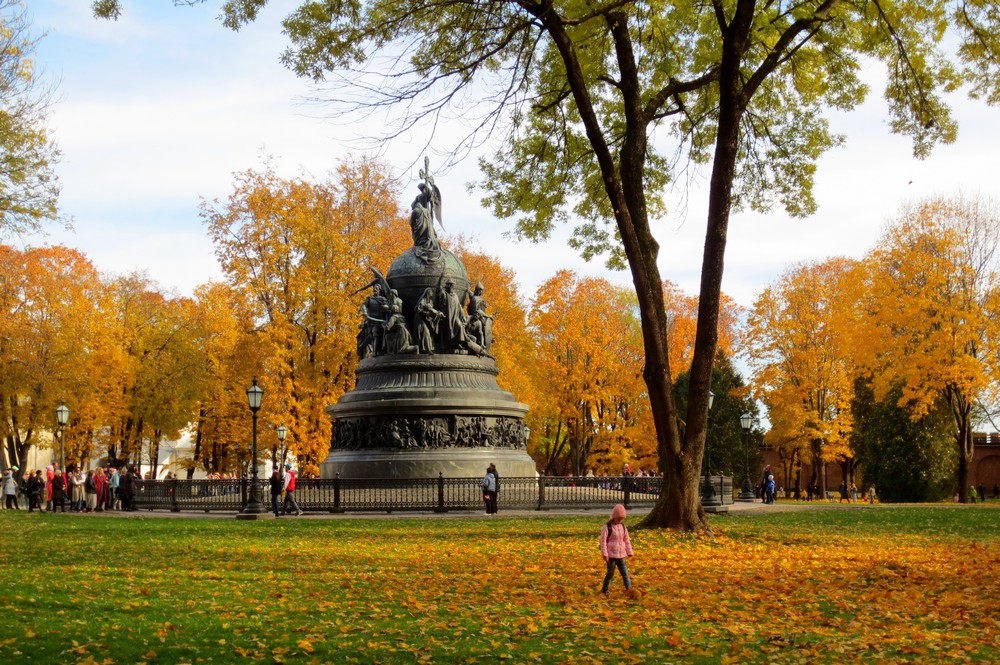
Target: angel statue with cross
[425,209]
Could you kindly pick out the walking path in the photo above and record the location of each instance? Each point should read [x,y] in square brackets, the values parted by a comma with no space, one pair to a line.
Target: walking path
[736,508]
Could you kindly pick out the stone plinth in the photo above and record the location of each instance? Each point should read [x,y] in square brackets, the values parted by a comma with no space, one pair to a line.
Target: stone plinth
[416,416]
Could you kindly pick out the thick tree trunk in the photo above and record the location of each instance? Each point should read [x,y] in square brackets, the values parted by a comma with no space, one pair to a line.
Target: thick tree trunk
[197,443]
[679,504]
[966,448]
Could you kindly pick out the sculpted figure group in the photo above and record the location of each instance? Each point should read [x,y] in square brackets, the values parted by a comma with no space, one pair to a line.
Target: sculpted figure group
[443,322]
[426,433]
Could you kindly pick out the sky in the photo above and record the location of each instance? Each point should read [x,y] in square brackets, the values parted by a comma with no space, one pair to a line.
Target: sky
[157,111]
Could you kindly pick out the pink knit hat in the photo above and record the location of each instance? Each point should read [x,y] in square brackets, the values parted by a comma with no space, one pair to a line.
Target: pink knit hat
[618,512]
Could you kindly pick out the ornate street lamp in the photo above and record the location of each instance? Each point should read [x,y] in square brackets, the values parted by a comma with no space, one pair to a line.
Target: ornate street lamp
[709,499]
[254,505]
[746,422]
[282,433]
[62,417]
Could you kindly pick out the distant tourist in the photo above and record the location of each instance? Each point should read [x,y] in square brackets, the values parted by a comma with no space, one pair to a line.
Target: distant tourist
[10,490]
[615,548]
[58,491]
[90,492]
[489,486]
[871,494]
[277,486]
[492,469]
[289,487]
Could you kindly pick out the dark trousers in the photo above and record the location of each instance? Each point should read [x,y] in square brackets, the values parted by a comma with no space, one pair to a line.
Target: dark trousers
[290,501]
[491,502]
[622,568]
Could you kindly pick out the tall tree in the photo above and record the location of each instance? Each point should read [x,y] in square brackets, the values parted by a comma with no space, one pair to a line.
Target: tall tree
[46,333]
[231,353]
[29,189]
[931,320]
[798,342]
[160,371]
[740,83]
[590,355]
[906,459]
[296,250]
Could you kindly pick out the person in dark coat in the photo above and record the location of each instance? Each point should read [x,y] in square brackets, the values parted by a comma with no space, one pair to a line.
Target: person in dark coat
[492,469]
[128,490]
[277,485]
[59,492]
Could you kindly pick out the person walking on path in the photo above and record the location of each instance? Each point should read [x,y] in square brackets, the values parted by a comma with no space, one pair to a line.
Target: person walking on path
[90,492]
[36,487]
[769,490]
[489,486]
[854,493]
[59,492]
[843,492]
[763,482]
[10,490]
[114,482]
[871,495]
[128,489]
[289,487]
[615,548]
[496,492]
[276,487]
[50,473]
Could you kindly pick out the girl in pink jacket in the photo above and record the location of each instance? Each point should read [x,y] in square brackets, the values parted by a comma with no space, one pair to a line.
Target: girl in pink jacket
[615,547]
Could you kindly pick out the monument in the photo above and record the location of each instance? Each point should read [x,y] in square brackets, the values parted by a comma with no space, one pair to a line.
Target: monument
[426,400]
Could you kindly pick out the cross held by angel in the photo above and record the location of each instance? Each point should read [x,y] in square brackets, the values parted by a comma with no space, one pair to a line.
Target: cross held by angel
[424,210]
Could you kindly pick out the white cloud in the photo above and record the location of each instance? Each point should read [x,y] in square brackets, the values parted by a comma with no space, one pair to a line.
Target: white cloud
[161,107]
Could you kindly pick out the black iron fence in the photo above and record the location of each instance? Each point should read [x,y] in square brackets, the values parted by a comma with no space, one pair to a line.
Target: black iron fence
[341,495]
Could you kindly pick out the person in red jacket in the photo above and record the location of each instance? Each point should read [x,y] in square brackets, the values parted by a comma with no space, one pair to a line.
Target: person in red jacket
[290,491]
[615,548]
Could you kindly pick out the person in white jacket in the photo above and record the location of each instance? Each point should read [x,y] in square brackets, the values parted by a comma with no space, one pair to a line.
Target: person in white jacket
[289,486]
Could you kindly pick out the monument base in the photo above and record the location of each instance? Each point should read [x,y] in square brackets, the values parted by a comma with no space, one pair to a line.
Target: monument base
[449,462]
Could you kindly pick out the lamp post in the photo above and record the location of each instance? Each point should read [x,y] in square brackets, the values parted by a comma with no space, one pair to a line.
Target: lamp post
[254,505]
[62,417]
[746,422]
[709,499]
[282,433]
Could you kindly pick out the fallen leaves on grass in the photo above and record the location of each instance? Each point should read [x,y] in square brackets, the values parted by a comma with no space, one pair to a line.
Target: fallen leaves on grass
[515,590]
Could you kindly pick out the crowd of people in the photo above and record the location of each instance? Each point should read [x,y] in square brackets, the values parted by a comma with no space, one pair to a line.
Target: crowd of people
[73,490]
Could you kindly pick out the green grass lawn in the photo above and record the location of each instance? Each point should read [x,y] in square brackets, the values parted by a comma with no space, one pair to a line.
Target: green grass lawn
[882,584]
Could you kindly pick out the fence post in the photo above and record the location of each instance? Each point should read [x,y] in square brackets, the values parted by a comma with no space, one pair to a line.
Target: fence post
[627,486]
[440,507]
[336,493]
[174,508]
[541,493]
